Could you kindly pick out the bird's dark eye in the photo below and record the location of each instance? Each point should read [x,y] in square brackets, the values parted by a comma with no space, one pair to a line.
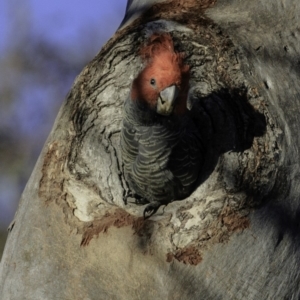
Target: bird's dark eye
[152,81]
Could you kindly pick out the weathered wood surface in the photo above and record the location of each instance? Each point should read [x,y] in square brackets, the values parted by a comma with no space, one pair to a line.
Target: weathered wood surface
[237,235]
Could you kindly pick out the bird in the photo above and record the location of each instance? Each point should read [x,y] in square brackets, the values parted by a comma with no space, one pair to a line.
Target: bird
[161,145]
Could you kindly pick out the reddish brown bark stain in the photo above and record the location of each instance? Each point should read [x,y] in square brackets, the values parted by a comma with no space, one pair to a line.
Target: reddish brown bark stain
[52,180]
[189,255]
[227,223]
[235,223]
[119,218]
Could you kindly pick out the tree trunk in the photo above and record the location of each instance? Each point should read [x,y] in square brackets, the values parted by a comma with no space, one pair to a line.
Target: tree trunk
[237,235]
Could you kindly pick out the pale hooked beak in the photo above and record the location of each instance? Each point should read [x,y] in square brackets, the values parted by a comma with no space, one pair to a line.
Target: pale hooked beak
[166,100]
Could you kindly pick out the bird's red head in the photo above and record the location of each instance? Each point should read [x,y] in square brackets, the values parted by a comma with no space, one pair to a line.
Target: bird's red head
[163,83]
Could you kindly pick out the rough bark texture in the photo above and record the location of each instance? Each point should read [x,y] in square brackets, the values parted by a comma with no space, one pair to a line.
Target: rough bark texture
[237,235]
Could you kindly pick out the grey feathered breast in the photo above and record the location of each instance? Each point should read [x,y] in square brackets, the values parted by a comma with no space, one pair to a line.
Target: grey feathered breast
[161,154]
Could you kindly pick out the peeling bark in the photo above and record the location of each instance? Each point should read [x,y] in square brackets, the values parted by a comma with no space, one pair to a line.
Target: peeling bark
[236,236]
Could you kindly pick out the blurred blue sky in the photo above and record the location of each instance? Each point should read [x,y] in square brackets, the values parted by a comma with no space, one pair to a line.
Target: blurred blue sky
[62,21]
[75,27]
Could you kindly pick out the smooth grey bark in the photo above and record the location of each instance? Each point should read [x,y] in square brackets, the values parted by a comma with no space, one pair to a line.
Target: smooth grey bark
[237,235]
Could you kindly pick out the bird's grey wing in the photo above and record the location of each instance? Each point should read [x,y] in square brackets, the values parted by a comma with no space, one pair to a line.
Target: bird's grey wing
[150,167]
[129,144]
[186,159]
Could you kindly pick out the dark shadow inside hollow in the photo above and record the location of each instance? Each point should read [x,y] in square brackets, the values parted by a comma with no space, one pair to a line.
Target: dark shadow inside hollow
[228,122]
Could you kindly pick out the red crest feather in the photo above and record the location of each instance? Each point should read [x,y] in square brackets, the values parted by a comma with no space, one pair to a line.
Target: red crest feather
[157,43]
[167,66]
[161,46]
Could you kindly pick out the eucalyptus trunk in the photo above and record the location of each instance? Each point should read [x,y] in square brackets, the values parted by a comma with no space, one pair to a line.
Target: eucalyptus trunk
[77,234]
